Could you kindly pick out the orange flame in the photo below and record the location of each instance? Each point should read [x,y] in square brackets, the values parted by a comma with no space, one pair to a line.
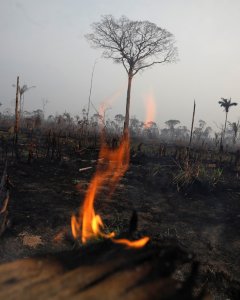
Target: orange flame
[112,164]
[111,167]
[150,108]
[133,244]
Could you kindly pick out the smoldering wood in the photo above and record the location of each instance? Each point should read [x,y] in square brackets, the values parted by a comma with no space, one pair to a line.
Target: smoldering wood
[101,270]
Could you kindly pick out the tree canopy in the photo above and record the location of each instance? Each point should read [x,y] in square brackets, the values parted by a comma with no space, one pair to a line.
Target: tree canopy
[172,123]
[135,44]
[226,104]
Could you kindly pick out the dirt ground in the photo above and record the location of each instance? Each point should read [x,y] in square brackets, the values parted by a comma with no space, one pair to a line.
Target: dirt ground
[45,194]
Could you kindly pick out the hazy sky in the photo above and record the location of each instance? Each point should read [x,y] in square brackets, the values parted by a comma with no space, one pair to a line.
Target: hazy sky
[43,42]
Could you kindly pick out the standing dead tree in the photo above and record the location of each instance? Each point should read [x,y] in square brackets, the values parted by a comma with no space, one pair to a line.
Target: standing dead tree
[16,125]
[22,90]
[18,109]
[193,117]
[4,199]
[137,45]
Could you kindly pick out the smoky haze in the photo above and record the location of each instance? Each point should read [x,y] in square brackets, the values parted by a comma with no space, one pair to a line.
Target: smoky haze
[43,42]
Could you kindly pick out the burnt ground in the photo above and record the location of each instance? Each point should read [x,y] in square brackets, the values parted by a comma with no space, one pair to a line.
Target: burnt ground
[207,223]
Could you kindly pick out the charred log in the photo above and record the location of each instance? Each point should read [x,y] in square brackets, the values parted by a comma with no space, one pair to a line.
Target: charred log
[102,271]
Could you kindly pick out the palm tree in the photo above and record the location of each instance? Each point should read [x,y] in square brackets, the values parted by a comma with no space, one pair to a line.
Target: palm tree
[226,104]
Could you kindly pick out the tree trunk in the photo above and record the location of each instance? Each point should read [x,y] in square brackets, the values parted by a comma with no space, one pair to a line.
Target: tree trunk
[126,122]
[223,133]
[4,199]
[16,127]
[225,125]
[193,116]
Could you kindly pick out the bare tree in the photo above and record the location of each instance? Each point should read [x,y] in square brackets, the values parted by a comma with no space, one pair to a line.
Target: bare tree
[16,126]
[137,45]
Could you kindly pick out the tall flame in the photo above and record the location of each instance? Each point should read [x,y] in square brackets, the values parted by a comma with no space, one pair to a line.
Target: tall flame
[112,165]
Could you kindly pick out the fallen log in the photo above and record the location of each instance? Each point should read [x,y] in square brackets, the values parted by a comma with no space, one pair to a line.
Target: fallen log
[101,271]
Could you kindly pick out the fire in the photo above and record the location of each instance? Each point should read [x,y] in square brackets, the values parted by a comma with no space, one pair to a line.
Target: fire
[150,108]
[75,226]
[133,244]
[112,165]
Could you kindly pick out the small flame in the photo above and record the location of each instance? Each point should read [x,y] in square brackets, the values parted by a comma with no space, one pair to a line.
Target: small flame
[97,225]
[150,108]
[75,226]
[133,244]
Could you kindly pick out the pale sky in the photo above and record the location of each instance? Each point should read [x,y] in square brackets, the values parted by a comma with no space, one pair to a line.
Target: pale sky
[43,42]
